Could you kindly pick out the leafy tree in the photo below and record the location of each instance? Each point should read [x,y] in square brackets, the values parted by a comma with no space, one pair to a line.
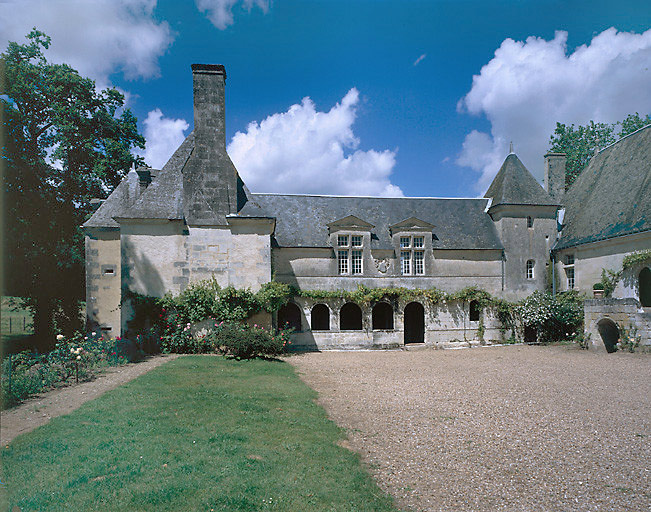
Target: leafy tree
[64,143]
[582,142]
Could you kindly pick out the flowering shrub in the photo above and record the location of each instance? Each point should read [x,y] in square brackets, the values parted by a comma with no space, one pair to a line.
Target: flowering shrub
[554,318]
[76,357]
[245,342]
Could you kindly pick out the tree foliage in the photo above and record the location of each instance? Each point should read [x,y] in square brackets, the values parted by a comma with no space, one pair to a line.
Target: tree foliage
[64,143]
[580,143]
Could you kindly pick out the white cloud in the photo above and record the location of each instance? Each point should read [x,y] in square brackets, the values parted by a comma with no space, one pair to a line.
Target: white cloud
[163,136]
[97,38]
[220,12]
[529,86]
[306,151]
[419,59]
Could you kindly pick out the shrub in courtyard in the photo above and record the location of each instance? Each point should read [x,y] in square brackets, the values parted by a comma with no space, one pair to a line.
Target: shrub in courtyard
[245,342]
[554,318]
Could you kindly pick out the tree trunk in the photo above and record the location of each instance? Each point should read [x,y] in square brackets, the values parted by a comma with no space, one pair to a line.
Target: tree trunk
[44,335]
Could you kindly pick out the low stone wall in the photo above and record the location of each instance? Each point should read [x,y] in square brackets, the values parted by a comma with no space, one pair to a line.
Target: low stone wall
[446,325]
[604,319]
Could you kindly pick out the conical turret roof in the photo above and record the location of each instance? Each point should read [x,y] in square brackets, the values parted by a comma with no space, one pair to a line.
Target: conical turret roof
[514,184]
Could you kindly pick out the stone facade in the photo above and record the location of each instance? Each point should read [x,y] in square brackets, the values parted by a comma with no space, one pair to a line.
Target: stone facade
[195,219]
[606,318]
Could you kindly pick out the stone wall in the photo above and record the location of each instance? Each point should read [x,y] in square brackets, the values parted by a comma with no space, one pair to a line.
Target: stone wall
[103,280]
[316,269]
[446,325]
[590,259]
[604,318]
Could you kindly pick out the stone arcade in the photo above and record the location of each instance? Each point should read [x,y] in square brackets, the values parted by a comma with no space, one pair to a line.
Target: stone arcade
[162,229]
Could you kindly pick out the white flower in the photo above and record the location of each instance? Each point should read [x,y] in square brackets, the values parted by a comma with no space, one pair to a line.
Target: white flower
[78,358]
[93,333]
[72,350]
[59,337]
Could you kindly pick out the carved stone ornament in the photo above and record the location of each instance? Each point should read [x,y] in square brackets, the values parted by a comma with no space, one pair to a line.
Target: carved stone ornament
[382,265]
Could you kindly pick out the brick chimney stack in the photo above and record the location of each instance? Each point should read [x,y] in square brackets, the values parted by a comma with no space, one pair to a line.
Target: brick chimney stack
[555,175]
[209,177]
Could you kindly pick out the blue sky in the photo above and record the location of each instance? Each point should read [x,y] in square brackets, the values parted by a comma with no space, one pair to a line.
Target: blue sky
[399,72]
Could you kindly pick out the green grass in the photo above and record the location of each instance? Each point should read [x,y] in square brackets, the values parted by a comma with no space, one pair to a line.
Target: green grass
[198,433]
[16,320]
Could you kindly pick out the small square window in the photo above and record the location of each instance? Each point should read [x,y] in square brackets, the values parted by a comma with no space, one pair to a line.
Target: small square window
[419,242]
[342,240]
[405,241]
[356,240]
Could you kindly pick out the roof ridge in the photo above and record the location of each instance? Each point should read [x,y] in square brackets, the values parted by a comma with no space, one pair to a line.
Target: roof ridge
[624,137]
[365,197]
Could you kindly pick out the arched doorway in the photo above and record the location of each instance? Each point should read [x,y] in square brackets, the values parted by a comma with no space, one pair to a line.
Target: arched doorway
[414,323]
[382,316]
[289,316]
[320,318]
[350,317]
[609,334]
[645,287]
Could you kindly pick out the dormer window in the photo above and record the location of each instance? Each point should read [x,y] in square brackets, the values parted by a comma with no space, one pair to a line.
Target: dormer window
[350,255]
[412,260]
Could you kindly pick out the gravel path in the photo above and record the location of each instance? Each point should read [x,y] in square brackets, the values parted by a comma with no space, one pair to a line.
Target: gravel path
[39,410]
[518,428]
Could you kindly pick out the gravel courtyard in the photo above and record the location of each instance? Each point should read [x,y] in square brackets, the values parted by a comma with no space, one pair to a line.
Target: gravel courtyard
[517,428]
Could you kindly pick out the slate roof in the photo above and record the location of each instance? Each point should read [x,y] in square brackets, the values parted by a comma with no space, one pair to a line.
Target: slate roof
[163,198]
[124,195]
[301,220]
[612,196]
[514,184]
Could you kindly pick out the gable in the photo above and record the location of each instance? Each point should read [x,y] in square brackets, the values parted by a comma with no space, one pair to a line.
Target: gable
[349,222]
[411,224]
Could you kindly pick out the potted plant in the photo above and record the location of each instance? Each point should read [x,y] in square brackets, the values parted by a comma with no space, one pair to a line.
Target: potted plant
[598,290]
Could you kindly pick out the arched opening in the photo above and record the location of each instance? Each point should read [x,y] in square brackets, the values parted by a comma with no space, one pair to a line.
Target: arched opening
[320,318]
[289,316]
[382,316]
[474,311]
[530,334]
[414,323]
[609,334]
[645,287]
[350,317]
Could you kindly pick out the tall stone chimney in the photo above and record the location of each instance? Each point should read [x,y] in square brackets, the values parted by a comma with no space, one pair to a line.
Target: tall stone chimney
[555,175]
[209,176]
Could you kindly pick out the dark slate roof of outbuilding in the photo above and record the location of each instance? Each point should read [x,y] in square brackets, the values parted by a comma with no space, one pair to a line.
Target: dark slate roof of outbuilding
[124,195]
[301,220]
[612,196]
[514,184]
[163,198]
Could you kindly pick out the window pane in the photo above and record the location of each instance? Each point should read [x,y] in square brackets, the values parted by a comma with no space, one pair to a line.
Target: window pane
[342,240]
[530,265]
[404,241]
[357,262]
[418,241]
[529,222]
[405,262]
[418,262]
[569,259]
[570,277]
[357,240]
[343,262]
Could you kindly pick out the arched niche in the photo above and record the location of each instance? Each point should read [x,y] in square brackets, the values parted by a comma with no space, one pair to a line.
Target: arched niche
[289,316]
[320,318]
[382,316]
[350,317]
[609,333]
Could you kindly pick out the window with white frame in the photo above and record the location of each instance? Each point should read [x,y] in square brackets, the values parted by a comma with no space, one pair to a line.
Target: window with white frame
[412,260]
[350,255]
[530,268]
[569,271]
[342,256]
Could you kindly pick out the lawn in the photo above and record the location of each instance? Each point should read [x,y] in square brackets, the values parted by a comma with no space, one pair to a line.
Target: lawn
[198,433]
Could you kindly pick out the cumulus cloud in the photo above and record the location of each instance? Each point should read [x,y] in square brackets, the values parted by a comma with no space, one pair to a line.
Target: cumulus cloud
[307,151]
[419,59]
[528,86]
[220,12]
[163,136]
[97,38]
